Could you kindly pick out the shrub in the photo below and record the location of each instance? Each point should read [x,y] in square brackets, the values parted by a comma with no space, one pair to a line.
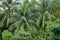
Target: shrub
[6,35]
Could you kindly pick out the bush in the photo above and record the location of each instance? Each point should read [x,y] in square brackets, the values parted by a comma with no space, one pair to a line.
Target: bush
[6,35]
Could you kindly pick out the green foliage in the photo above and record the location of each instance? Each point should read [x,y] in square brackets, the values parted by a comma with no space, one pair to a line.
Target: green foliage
[9,1]
[55,28]
[22,35]
[1,11]
[30,20]
[6,35]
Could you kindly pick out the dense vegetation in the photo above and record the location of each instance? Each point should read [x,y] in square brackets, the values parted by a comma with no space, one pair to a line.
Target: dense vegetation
[30,20]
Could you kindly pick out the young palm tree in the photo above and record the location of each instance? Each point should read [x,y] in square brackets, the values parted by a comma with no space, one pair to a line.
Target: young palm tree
[44,17]
[23,16]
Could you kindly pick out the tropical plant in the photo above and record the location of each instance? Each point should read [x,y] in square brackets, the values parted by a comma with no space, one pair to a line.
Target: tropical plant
[36,19]
[6,35]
